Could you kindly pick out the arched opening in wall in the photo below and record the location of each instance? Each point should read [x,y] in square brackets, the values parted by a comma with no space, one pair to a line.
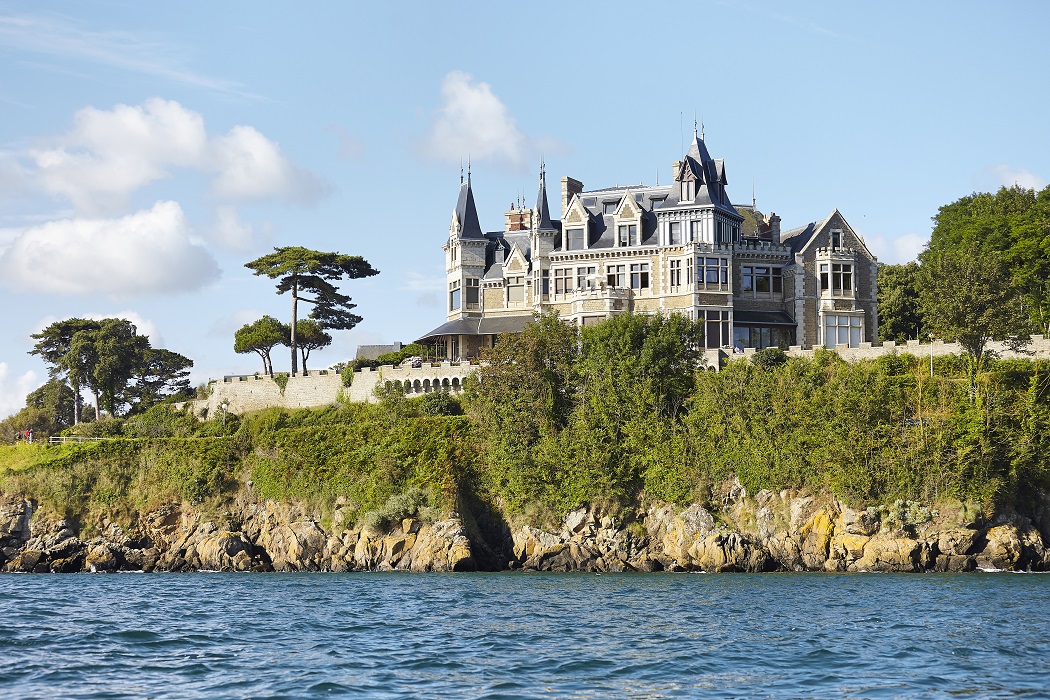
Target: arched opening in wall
[399,386]
[388,386]
[446,384]
[417,387]
[426,386]
[455,384]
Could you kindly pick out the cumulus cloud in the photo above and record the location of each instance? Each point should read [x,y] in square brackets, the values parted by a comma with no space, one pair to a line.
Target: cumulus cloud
[13,389]
[109,154]
[230,232]
[250,166]
[473,121]
[1008,177]
[150,251]
[897,249]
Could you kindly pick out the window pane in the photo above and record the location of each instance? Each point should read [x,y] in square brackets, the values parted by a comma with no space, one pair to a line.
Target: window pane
[854,337]
[843,335]
[712,339]
[855,321]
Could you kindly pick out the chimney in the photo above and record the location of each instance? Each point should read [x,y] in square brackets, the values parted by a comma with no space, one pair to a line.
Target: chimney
[569,187]
[774,227]
[515,219]
[497,255]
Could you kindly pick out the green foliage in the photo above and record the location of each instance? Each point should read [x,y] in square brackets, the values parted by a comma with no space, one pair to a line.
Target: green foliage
[389,358]
[413,503]
[900,314]
[440,403]
[281,380]
[968,296]
[769,358]
[1014,225]
[261,337]
[299,270]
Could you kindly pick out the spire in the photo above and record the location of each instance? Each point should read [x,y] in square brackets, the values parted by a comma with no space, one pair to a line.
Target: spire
[543,213]
[467,211]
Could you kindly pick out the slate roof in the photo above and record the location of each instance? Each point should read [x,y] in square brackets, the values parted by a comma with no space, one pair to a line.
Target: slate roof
[486,325]
[467,212]
[544,212]
[710,177]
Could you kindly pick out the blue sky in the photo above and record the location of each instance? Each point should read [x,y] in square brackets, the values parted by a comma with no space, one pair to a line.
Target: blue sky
[148,150]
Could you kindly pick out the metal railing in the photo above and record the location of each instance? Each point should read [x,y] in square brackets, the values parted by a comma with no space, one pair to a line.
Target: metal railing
[65,439]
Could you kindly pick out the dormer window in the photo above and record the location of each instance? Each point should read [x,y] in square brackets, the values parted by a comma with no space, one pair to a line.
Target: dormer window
[609,208]
[626,234]
[688,190]
[574,237]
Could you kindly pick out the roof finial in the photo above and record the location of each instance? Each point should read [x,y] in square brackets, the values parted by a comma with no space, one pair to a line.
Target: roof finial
[461,171]
[753,208]
[694,125]
[701,128]
[468,168]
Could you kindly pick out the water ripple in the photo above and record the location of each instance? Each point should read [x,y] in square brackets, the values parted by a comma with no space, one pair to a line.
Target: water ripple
[524,635]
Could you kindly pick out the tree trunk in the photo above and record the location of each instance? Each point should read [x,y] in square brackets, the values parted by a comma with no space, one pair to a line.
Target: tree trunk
[295,311]
[76,401]
[305,353]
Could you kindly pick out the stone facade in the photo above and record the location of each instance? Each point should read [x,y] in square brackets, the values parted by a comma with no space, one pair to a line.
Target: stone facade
[677,248]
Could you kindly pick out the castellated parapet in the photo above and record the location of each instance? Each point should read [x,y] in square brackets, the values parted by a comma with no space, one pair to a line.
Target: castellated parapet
[243,394]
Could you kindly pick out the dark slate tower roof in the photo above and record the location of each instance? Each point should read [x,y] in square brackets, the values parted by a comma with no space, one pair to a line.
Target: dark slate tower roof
[467,212]
[543,212]
[710,177]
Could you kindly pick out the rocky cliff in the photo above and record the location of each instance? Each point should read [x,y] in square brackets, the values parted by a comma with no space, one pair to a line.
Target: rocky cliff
[785,531]
[252,536]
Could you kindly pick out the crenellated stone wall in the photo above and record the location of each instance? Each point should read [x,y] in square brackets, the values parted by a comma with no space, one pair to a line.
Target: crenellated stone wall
[242,394]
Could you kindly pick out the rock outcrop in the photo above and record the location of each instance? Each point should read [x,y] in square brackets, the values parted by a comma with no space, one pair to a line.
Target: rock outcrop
[786,531]
[258,536]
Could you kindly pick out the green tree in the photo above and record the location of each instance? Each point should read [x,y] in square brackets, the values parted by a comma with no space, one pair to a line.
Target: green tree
[300,270]
[310,336]
[1013,223]
[160,374]
[119,351]
[70,360]
[261,337]
[968,296]
[900,317]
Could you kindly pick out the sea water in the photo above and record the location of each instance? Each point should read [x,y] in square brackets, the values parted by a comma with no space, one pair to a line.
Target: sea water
[524,635]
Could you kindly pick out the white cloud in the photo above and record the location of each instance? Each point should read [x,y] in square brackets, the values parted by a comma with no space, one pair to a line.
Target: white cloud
[472,121]
[150,251]
[230,232]
[226,326]
[250,166]
[898,249]
[350,147]
[109,154]
[1008,177]
[13,389]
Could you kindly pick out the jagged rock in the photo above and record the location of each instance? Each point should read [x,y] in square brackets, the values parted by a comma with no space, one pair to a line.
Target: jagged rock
[222,550]
[885,552]
[1003,548]
[102,557]
[815,541]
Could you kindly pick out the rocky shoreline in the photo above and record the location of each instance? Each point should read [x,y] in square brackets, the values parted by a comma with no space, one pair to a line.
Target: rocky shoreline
[786,531]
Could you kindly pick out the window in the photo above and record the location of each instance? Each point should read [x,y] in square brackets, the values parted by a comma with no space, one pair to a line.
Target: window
[688,190]
[627,235]
[841,278]
[545,275]
[656,202]
[453,295]
[716,327]
[562,281]
[609,208]
[696,231]
[836,239]
[473,292]
[689,270]
[575,238]
[616,275]
[676,233]
[676,274]
[640,276]
[455,253]
[516,290]
[843,330]
[586,277]
[761,280]
[712,273]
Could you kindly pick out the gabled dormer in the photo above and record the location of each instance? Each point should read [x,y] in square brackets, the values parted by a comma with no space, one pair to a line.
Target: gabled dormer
[575,229]
[628,221]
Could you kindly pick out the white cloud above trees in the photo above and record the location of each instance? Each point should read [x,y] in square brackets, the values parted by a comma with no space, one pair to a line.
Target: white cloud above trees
[1008,177]
[109,154]
[152,251]
[13,389]
[472,121]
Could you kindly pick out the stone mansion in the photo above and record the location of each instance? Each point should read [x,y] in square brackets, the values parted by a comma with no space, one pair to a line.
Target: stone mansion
[678,248]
